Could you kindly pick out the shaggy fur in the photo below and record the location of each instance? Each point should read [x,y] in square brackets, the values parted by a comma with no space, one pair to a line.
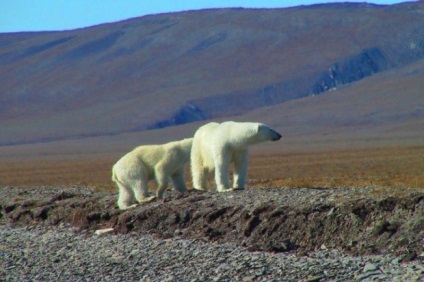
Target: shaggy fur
[216,146]
[151,162]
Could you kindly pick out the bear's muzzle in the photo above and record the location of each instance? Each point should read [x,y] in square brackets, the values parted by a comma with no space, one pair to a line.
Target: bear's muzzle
[277,136]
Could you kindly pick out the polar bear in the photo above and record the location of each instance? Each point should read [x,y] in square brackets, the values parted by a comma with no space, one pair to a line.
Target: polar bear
[159,162]
[216,145]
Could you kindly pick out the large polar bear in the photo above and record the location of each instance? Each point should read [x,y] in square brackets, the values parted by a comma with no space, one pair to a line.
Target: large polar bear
[216,145]
[159,162]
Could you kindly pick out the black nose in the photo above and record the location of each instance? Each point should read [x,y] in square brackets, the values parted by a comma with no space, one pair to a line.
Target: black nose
[277,136]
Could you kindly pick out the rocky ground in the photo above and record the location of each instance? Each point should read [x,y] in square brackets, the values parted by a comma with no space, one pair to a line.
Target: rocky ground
[272,234]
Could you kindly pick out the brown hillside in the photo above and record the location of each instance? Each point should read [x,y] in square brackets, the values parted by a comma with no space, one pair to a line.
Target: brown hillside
[168,69]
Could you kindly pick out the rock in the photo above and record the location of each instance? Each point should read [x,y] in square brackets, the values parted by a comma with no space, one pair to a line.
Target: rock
[152,252]
[395,261]
[315,279]
[249,278]
[103,231]
[370,267]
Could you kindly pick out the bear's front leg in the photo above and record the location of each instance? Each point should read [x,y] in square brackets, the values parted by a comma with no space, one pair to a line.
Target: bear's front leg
[240,169]
[221,175]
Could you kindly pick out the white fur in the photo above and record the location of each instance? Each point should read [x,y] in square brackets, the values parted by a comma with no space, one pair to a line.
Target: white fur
[216,146]
[151,162]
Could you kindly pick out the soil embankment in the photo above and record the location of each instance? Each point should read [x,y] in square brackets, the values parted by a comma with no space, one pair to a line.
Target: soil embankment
[357,221]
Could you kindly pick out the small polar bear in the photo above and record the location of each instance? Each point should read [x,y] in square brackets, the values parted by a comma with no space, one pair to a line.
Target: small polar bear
[151,162]
[216,145]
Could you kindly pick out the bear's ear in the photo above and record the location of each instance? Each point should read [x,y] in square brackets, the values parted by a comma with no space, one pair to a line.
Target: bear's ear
[261,127]
[258,127]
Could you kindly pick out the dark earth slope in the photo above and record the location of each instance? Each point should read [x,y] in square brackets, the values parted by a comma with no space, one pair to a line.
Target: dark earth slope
[358,221]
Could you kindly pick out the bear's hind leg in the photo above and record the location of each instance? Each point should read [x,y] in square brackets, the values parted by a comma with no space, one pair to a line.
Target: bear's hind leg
[141,192]
[198,170]
[161,178]
[200,179]
[178,181]
[125,198]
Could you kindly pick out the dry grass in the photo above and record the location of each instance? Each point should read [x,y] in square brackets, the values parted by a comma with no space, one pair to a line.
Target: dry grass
[389,168]
[390,171]
[61,171]
[394,167]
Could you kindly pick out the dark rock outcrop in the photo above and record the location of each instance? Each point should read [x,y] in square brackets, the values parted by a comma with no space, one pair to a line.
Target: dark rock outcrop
[357,67]
[348,70]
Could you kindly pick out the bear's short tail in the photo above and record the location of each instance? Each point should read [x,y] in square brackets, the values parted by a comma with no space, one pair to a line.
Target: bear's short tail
[114,177]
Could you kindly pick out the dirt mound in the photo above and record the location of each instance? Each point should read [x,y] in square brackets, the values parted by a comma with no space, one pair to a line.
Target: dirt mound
[272,219]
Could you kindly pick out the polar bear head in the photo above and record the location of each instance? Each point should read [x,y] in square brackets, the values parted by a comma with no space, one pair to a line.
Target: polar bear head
[265,133]
[242,134]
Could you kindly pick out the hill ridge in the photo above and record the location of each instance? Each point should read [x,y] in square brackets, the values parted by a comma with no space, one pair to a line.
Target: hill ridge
[170,69]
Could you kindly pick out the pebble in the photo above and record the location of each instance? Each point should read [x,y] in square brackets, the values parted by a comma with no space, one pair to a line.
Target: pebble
[45,254]
[370,267]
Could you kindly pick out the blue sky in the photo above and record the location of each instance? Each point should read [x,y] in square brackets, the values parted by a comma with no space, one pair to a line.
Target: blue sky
[42,15]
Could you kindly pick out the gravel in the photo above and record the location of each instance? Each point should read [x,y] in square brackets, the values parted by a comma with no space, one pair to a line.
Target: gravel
[63,253]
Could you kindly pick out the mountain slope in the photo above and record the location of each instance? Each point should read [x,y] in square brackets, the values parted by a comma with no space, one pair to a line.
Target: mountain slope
[385,109]
[169,69]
